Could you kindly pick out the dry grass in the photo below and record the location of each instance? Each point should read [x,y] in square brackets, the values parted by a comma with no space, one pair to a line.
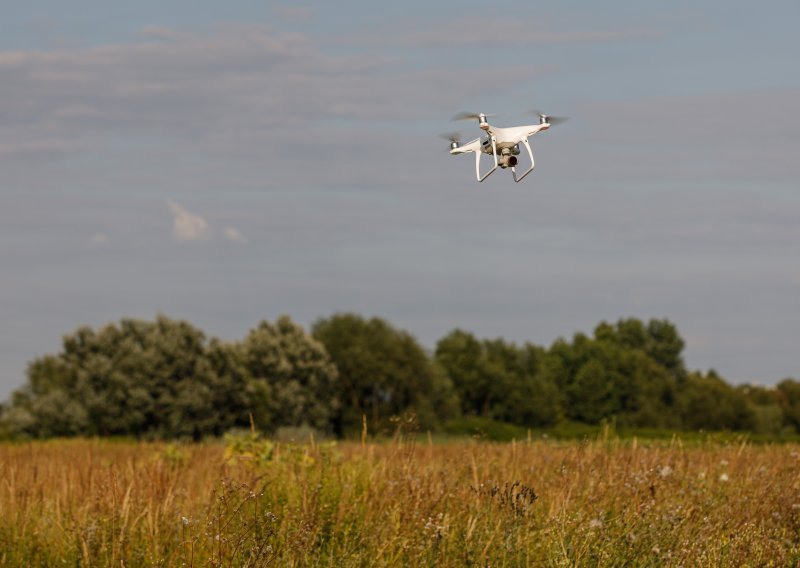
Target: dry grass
[606,502]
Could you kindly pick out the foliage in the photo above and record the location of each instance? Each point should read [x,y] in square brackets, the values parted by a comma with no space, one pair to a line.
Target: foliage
[498,380]
[137,378]
[788,396]
[383,372]
[297,372]
[707,402]
[658,339]
[614,375]
[164,379]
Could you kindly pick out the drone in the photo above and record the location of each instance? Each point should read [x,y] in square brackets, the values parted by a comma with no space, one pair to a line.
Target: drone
[502,144]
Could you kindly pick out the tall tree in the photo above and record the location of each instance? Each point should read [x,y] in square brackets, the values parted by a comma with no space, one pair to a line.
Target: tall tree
[383,372]
[706,401]
[296,371]
[136,378]
[788,395]
[659,339]
[499,380]
[463,358]
[612,375]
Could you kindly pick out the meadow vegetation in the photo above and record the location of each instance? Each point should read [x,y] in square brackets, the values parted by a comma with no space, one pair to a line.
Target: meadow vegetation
[253,501]
[139,445]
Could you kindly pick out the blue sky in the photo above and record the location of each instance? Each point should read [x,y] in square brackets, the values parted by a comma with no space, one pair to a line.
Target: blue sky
[229,163]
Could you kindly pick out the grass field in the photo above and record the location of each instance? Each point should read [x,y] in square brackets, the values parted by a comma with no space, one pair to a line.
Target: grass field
[605,502]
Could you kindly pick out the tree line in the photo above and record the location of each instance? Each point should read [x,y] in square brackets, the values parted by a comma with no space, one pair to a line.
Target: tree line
[165,379]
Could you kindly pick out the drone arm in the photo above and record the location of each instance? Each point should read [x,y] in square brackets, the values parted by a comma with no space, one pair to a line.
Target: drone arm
[529,170]
[478,162]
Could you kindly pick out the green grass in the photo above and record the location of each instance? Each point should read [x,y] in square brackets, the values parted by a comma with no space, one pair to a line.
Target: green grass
[479,428]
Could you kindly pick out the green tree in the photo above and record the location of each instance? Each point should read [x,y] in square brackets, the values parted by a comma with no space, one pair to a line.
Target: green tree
[136,378]
[706,401]
[764,405]
[463,358]
[499,380]
[294,372]
[658,339]
[383,372]
[611,376]
[788,397]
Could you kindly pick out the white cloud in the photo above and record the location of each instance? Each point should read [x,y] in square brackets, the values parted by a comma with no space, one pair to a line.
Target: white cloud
[190,227]
[100,240]
[235,235]
[186,226]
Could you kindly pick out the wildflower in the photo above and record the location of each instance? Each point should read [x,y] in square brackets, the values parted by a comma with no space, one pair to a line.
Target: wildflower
[436,527]
[665,471]
[723,477]
[596,524]
[185,521]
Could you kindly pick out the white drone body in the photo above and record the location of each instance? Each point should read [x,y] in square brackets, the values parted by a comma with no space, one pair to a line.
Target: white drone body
[502,144]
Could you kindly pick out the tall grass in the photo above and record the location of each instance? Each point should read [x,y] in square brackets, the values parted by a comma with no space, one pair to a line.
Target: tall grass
[604,502]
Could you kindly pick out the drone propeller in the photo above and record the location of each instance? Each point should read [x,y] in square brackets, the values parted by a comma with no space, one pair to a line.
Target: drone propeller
[551,120]
[472,116]
[454,138]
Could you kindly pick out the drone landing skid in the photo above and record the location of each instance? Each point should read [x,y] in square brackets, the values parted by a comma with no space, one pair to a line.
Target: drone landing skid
[478,162]
[529,170]
[496,164]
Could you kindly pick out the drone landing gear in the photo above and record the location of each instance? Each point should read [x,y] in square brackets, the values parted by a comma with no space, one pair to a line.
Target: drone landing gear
[529,170]
[478,161]
[496,162]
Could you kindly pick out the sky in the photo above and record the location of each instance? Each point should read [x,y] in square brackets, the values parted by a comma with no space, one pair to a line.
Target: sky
[226,163]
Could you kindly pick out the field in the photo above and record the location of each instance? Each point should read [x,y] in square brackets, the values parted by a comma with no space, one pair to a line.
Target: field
[247,502]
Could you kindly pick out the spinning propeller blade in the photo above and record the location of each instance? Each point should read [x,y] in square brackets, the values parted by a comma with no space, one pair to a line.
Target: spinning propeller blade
[471,116]
[551,120]
[453,137]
